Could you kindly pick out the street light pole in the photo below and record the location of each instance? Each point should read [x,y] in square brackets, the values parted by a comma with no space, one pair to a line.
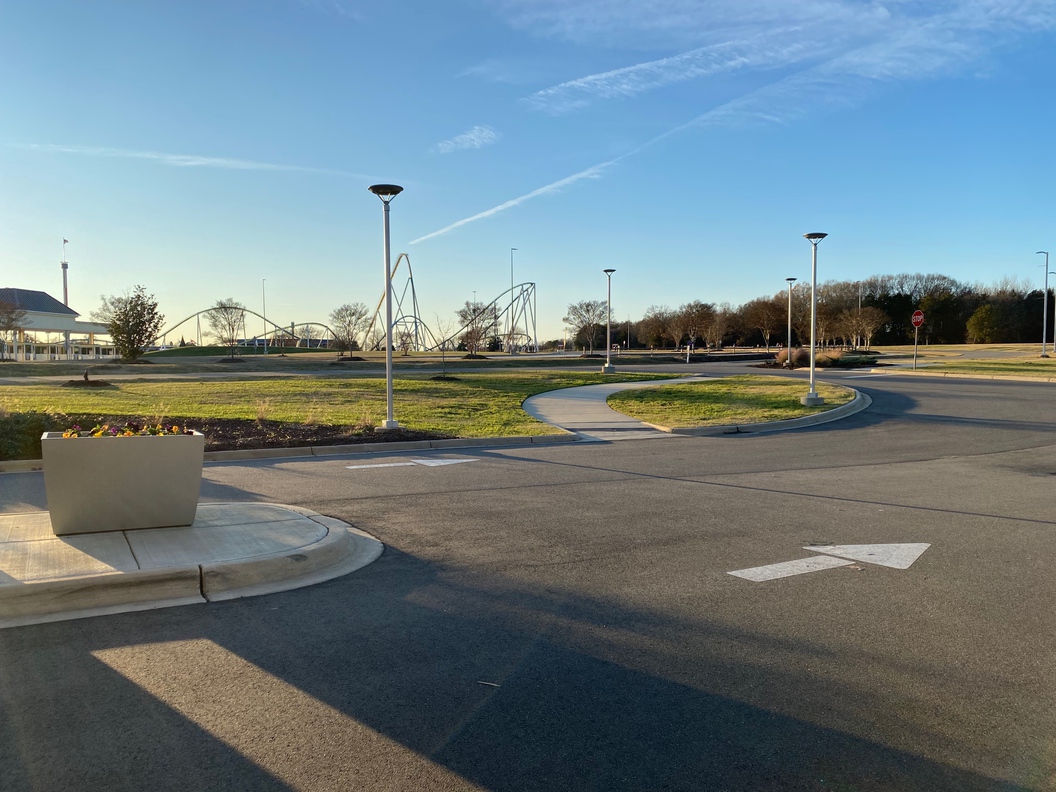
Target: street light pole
[788,348]
[65,292]
[812,398]
[1045,307]
[386,192]
[608,368]
[858,339]
[264,312]
[509,338]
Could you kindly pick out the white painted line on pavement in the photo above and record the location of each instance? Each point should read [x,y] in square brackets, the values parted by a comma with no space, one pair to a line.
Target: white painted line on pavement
[440,462]
[896,556]
[386,464]
[789,568]
[413,463]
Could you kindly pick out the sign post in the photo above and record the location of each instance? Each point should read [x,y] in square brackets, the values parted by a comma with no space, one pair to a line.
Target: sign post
[918,320]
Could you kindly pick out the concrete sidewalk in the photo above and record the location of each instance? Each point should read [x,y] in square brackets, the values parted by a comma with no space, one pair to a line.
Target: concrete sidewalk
[231,550]
[584,410]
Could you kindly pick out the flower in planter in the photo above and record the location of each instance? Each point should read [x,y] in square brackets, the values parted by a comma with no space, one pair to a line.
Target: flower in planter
[130,429]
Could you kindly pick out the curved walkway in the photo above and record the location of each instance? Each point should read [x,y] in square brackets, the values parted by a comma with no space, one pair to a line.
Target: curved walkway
[584,411]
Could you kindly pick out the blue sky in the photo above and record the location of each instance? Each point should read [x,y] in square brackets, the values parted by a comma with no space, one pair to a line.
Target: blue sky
[197,148]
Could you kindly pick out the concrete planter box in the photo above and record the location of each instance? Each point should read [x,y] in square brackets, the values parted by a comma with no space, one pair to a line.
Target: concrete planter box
[117,483]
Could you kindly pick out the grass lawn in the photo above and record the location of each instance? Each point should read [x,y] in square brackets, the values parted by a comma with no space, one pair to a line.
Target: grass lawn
[732,400]
[1016,367]
[476,405]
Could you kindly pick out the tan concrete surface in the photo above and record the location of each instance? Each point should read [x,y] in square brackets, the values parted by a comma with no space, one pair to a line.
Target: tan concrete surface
[231,550]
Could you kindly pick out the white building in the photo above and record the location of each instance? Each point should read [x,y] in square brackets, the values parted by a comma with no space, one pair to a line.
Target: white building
[42,333]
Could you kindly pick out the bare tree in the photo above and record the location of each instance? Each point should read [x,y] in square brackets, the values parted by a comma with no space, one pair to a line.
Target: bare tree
[445,329]
[765,315]
[584,318]
[348,321]
[720,323]
[12,319]
[655,325]
[226,320]
[479,323]
[697,316]
[871,320]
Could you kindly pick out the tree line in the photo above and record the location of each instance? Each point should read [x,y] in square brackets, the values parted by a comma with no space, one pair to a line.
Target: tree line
[875,310]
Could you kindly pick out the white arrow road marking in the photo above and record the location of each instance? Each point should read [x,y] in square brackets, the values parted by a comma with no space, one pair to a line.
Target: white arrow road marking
[788,568]
[897,556]
[412,463]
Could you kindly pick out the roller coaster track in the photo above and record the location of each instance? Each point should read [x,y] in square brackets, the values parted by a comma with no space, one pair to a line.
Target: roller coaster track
[306,335]
[514,309]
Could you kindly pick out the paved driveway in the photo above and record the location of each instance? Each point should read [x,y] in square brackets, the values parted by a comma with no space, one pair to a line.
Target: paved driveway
[553,618]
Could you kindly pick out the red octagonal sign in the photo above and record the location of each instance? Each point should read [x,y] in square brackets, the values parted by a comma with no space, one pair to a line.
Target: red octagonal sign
[918,318]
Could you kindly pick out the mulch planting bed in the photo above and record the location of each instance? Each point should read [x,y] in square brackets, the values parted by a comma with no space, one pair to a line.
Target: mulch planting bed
[228,434]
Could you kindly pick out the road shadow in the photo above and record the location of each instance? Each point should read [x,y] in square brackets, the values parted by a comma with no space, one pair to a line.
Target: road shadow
[510,685]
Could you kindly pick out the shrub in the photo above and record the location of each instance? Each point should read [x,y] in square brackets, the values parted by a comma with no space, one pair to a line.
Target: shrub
[20,432]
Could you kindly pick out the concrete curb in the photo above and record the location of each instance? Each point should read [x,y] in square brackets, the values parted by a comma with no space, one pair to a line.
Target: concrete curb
[342,550]
[860,402]
[30,465]
[116,592]
[927,372]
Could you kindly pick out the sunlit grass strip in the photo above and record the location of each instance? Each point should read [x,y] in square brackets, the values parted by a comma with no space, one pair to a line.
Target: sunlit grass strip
[720,402]
[477,405]
[1042,368]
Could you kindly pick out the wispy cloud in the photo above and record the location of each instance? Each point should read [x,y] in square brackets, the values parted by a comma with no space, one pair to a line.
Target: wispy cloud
[179,160]
[928,41]
[475,138]
[332,7]
[592,172]
[765,51]
[900,40]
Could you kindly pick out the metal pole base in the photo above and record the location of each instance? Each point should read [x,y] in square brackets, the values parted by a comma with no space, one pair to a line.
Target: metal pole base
[387,425]
[608,368]
[811,400]
[1044,355]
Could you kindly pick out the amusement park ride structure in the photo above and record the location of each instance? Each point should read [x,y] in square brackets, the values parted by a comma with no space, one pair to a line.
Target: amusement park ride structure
[513,309]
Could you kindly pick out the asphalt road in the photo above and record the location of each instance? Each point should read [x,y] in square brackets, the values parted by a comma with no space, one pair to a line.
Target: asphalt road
[561,618]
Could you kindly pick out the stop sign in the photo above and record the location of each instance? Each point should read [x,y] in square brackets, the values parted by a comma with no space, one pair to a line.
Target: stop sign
[918,318]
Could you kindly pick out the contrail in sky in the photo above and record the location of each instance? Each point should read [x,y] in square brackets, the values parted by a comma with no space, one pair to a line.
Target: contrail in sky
[180,160]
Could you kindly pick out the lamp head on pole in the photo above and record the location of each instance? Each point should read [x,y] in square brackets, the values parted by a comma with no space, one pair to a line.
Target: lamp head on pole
[609,272]
[814,237]
[386,192]
[1042,251]
[791,280]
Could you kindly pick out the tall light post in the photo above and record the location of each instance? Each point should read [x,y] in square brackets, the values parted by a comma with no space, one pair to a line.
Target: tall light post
[788,349]
[509,337]
[857,338]
[264,312]
[608,368]
[386,192]
[812,398]
[65,292]
[1045,307]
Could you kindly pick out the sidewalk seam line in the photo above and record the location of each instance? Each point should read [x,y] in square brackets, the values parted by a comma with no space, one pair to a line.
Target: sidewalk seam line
[124,534]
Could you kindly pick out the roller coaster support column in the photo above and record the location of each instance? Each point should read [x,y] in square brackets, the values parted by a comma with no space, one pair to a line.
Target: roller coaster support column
[386,192]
